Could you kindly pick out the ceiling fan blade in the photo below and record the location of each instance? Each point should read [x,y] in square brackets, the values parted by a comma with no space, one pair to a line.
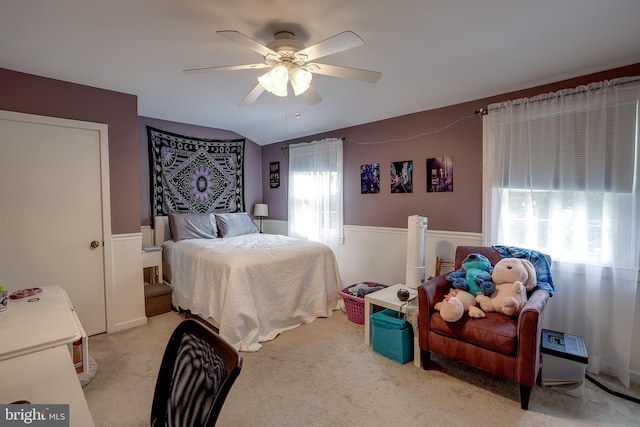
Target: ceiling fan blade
[252,96]
[311,96]
[246,41]
[345,72]
[226,68]
[335,44]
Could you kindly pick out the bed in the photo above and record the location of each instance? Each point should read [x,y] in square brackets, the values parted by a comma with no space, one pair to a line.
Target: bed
[252,286]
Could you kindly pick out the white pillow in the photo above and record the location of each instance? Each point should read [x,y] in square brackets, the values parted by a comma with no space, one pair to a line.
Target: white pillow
[235,224]
[192,226]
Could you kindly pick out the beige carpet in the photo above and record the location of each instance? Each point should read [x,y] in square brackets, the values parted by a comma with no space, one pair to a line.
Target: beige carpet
[322,374]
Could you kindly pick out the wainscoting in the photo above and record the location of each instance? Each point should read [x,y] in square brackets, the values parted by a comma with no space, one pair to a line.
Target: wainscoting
[127,309]
[378,254]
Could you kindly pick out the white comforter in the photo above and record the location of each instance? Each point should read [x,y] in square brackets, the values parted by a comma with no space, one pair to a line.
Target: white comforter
[254,286]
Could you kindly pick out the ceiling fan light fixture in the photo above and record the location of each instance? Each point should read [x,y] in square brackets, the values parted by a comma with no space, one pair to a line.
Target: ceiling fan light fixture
[275,81]
[289,60]
[300,80]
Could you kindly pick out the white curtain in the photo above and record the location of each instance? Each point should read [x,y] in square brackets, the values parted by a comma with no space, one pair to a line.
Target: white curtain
[561,177]
[315,191]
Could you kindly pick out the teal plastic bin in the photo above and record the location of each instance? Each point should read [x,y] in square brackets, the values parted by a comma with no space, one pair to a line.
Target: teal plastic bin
[391,336]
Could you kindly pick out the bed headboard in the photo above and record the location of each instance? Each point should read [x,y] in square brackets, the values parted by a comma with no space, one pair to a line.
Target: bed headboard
[161,227]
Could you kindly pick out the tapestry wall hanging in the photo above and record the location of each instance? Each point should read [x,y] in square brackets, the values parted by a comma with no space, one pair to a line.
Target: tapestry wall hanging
[195,175]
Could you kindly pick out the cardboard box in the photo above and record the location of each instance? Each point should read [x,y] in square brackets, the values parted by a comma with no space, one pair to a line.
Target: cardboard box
[564,361]
[77,356]
[392,337]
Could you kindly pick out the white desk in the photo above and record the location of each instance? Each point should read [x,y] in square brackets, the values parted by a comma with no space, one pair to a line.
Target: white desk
[45,377]
[47,321]
[388,298]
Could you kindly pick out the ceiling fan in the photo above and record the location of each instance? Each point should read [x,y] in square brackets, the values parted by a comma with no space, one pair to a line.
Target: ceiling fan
[289,61]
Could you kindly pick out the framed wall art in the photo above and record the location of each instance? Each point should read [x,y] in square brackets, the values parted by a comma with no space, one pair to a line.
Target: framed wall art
[370,178]
[440,174]
[274,174]
[402,177]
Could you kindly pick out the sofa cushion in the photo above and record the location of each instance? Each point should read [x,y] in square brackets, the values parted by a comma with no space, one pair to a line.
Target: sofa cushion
[496,331]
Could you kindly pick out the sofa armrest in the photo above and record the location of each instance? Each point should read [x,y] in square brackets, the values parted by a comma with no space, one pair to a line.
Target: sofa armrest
[429,294]
[529,337]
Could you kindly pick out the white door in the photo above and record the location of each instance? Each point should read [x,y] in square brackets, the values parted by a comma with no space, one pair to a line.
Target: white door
[51,201]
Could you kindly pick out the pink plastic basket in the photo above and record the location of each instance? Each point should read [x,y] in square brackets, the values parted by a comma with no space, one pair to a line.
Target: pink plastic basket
[355,305]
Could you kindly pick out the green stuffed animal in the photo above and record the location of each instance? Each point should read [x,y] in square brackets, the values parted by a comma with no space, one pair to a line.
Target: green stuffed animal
[475,276]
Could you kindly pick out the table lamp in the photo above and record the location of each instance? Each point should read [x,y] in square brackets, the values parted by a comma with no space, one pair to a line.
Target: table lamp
[261,210]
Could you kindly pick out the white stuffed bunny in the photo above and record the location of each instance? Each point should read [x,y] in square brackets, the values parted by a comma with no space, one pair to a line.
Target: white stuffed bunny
[512,277]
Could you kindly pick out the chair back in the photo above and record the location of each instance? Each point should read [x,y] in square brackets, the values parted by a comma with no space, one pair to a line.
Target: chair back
[197,371]
[488,251]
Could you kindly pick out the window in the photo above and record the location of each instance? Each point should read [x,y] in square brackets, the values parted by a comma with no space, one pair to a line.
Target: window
[315,191]
[561,176]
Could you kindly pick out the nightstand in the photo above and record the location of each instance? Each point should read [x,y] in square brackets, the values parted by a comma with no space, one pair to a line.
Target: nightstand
[157,295]
[152,258]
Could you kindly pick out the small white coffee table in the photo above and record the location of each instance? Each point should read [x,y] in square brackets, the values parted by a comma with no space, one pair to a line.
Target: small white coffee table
[388,298]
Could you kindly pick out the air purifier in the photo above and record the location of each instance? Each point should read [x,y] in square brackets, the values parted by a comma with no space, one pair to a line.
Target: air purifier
[416,253]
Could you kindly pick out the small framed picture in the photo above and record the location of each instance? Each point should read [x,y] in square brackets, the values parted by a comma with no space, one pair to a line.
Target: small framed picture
[402,177]
[440,174]
[274,174]
[370,178]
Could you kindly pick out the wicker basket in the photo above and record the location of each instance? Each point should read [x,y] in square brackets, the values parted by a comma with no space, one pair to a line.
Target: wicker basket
[354,305]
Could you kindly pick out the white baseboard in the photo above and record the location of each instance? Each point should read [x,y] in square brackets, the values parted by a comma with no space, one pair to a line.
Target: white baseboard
[129,324]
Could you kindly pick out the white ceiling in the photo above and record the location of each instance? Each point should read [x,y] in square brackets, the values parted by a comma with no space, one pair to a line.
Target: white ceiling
[432,53]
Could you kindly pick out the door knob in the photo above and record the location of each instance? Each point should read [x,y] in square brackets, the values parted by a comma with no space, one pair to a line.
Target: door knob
[95,244]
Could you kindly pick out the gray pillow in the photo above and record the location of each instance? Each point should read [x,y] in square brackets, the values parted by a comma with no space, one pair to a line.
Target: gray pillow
[192,226]
[235,224]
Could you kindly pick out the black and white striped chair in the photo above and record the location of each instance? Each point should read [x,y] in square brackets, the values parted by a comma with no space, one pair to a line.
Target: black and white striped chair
[197,371]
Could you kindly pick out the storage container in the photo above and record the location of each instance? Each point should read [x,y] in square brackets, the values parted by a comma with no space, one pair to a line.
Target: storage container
[157,299]
[355,305]
[564,361]
[392,337]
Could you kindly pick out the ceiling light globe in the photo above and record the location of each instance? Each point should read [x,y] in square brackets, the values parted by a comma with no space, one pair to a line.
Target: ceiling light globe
[266,82]
[279,77]
[300,80]
[279,74]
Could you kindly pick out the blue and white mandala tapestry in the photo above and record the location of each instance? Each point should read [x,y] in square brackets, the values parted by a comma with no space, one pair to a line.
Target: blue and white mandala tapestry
[195,175]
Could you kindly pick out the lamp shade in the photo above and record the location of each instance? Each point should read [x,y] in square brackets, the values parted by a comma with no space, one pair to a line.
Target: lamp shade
[261,209]
[300,80]
[275,81]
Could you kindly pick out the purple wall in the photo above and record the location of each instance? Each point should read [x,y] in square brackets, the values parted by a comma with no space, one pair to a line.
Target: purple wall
[252,160]
[27,93]
[129,177]
[460,210]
